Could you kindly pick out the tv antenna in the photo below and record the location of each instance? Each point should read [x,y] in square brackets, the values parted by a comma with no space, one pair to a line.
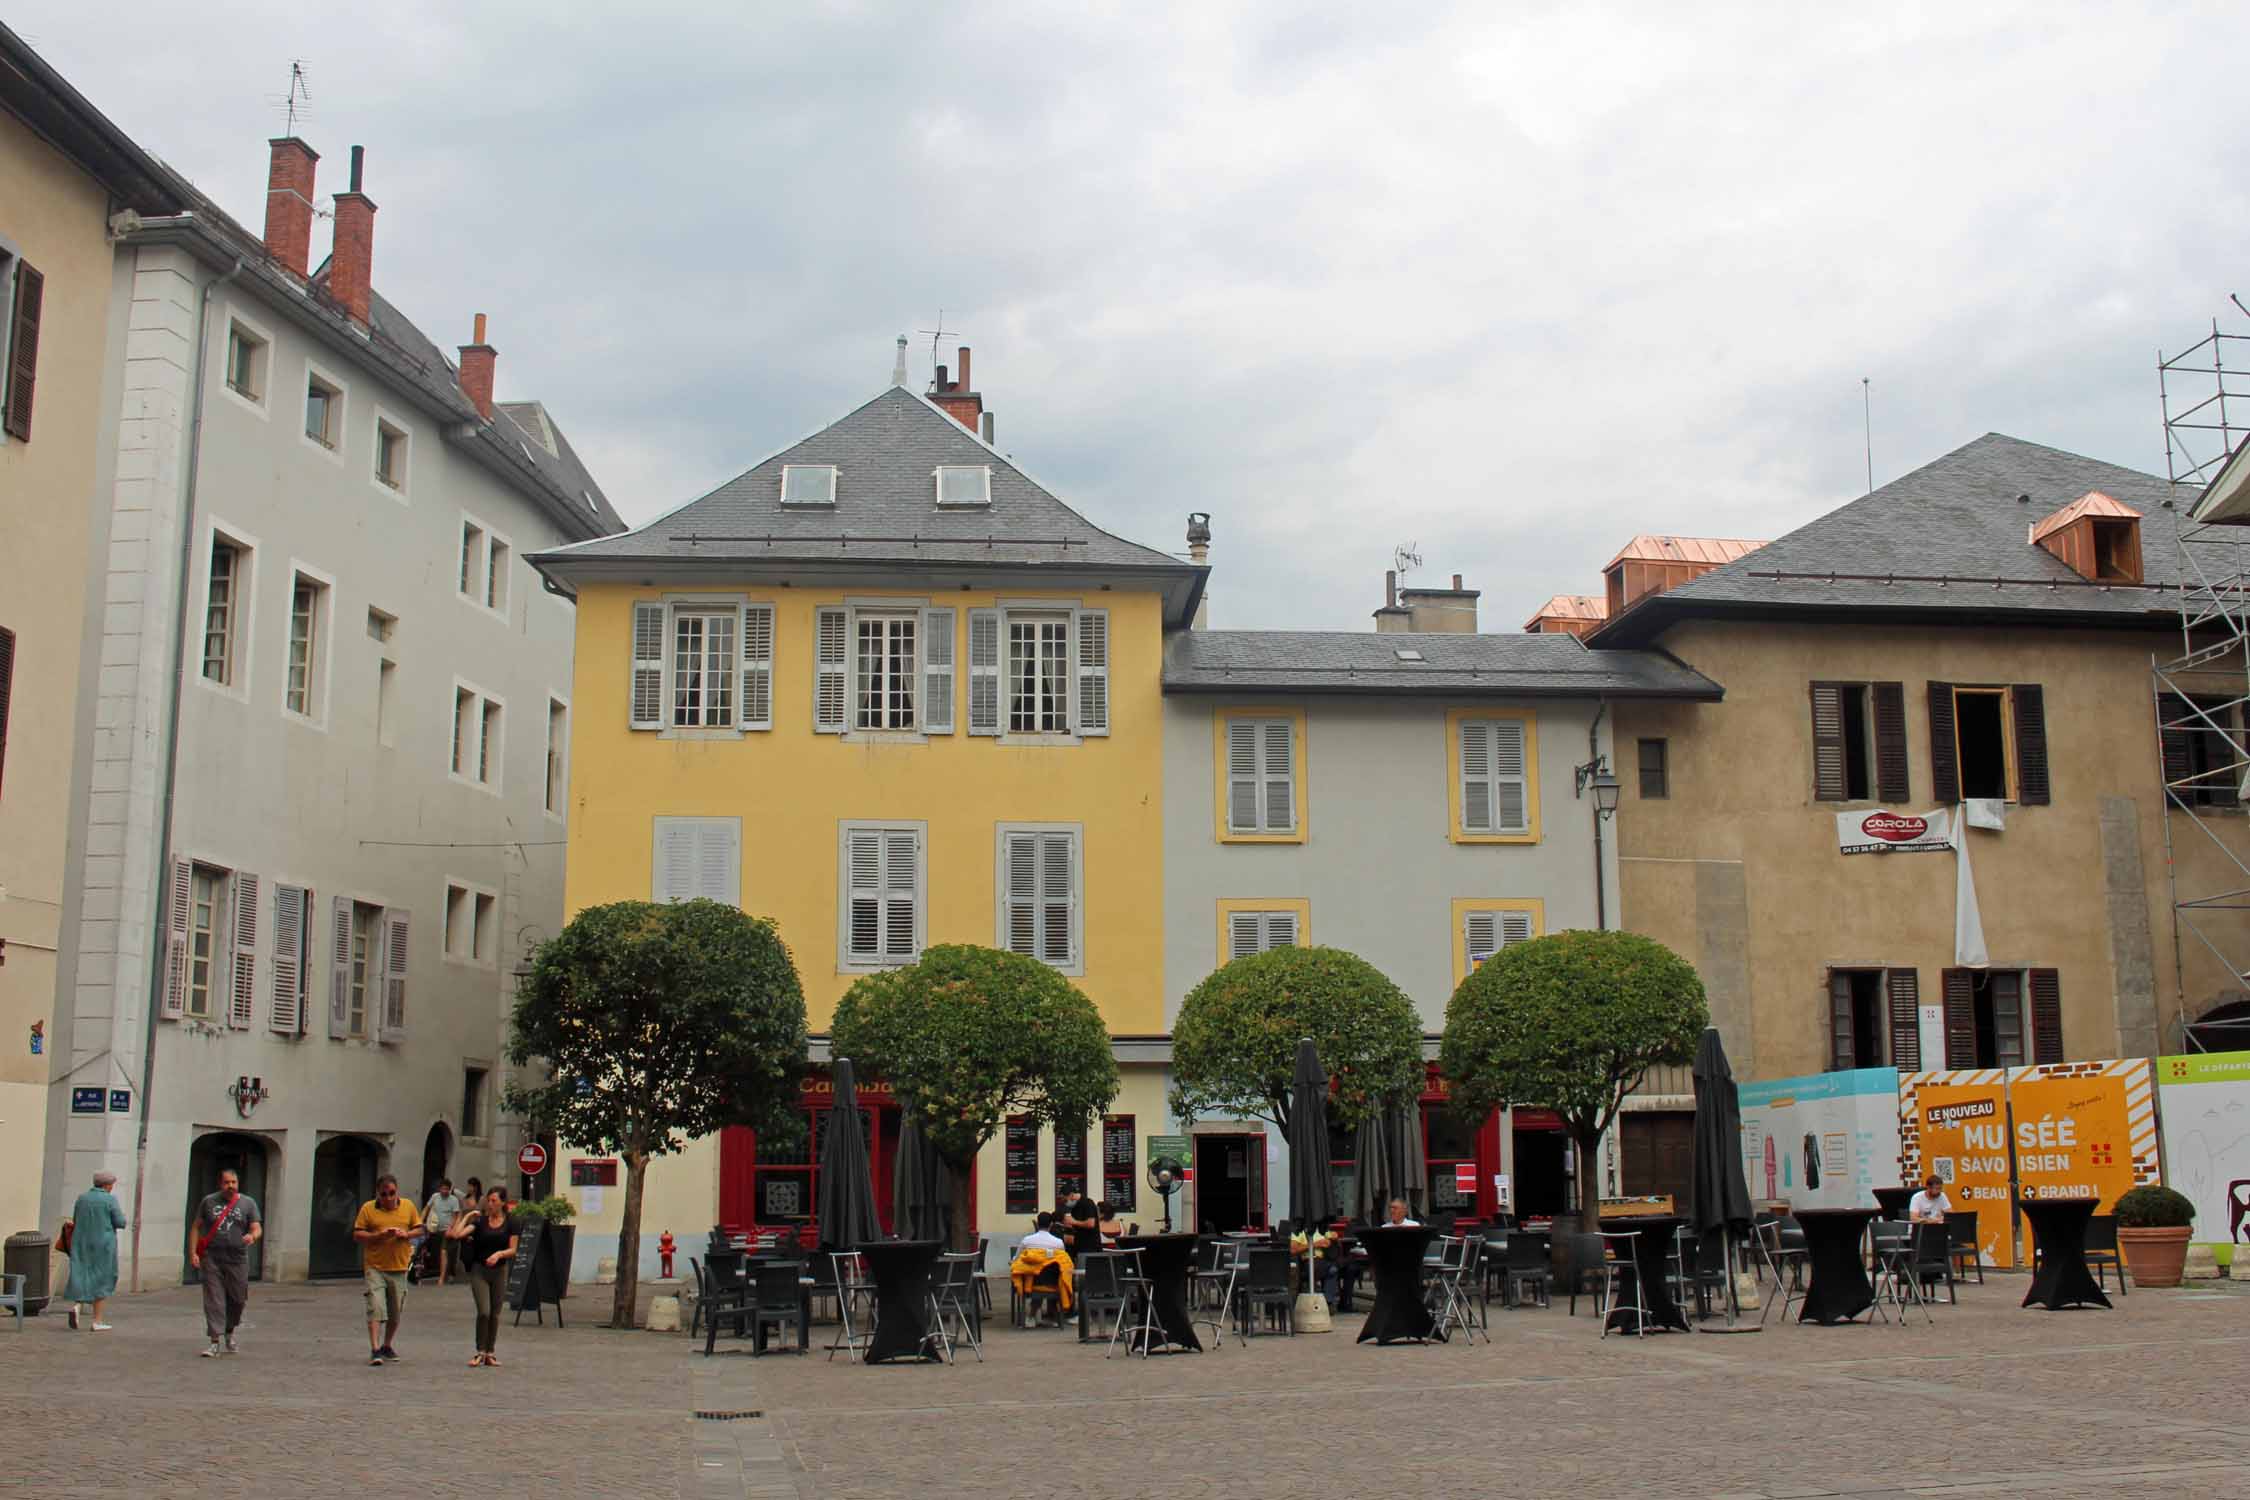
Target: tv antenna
[938,336]
[297,103]
[1405,559]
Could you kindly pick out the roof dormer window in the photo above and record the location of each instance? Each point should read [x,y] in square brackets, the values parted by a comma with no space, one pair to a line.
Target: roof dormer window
[963,485]
[808,484]
[2097,536]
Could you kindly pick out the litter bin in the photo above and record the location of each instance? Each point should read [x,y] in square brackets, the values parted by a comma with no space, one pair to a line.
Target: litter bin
[30,1254]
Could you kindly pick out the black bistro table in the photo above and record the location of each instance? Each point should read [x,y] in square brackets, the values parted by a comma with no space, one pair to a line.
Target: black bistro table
[2058,1228]
[900,1270]
[1399,1312]
[1838,1289]
[1895,1200]
[1653,1238]
[1165,1261]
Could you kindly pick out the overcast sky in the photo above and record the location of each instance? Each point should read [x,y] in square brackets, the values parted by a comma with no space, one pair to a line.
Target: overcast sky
[1509,289]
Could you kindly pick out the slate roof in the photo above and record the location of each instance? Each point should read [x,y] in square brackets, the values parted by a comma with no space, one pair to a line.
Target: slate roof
[2092,503]
[1930,544]
[1367,662]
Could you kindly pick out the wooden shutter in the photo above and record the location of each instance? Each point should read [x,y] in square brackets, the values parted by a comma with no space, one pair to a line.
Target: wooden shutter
[831,670]
[1281,929]
[1058,899]
[340,970]
[937,671]
[1278,781]
[2173,721]
[1511,803]
[1945,752]
[1245,934]
[2031,744]
[1828,744]
[672,863]
[394,975]
[648,667]
[1480,938]
[176,916]
[286,1014]
[1888,701]
[902,895]
[1960,1018]
[1093,671]
[2046,1016]
[883,892]
[1242,775]
[718,860]
[23,352]
[242,994]
[1841,1054]
[7,679]
[984,671]
[1515,927]
[863,895]
[1905,988]
[756,707]
[1476,776]
[1023,894]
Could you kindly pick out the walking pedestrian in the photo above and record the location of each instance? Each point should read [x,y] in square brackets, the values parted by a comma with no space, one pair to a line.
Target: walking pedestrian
[437,1217]
[386,1230]
[489,1235]
[227,1225]
[95,1219]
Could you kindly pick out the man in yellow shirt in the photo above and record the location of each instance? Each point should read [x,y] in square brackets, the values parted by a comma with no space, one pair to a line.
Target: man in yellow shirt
[386,1229]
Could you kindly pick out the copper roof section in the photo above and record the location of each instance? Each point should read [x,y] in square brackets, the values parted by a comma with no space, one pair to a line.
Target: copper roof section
[2092,503]
[1711,550]
[1571,607]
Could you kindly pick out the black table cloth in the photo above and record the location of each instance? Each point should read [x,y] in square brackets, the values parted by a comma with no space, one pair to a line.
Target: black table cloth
[2058,1229]
[1652,1268]
[1837,1290]
[1399,1312]
[1165,1259]
[1895,1200]
[900,1270]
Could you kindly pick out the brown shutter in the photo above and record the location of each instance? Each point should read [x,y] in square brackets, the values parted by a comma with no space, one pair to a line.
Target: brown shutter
[1828,741]
[1945,755]
[7,677]
[1960,1018]
[2046,1016]
[2179,764]
[1905,987]
[1889,701]
[1840,1054]
[23,351]
[2031,745]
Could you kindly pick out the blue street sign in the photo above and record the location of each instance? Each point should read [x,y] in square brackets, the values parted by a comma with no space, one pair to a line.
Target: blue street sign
[86,1101]
[120,1101]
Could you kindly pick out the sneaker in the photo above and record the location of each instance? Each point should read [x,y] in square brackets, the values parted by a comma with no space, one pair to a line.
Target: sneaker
[373,1359]
[387,1354]
[101,1328]
[211,1351]
[230,1346]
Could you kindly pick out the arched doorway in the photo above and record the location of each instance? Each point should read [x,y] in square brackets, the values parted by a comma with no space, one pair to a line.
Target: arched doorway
[225,1151]
[344,1171]
[437,1155]
[2225,1027]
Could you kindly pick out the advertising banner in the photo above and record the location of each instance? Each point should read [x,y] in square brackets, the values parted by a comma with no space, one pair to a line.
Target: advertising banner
[1956,1125]
[2083,1130]
[2206,1098]
[1822,1141]
[1884,832]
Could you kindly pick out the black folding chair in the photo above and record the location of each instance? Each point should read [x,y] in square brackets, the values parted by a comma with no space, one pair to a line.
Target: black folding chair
[2102,1252]
[720,1297]
[1264,1285]
[776,1300]
[1961,1243]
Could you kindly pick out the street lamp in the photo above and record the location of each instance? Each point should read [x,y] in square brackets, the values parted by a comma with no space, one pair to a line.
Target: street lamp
[1596,774]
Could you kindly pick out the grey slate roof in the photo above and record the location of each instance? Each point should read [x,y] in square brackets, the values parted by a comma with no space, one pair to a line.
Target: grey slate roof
[552,455]
[1957,519]
[886,509]
[1335,661]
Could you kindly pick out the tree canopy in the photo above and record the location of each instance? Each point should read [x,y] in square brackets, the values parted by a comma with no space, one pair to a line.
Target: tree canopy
[1234,1045]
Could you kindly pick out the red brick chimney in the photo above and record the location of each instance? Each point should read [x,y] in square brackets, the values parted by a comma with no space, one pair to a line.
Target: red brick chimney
[958,397]
[289,203]
[351,266]
[477,363]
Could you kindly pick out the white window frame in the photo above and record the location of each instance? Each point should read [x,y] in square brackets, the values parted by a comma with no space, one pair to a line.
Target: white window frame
[306,948]
[260,405]
[492,759]
[856,680]
[1084,682]
[242,617]
[478,1130]
[1035,618]
[340,414]
[1500,917]
[1266,918]
[848,962]
[1262,775]
[828,501]
[398,492]
[1000,895]
[219,986]
[720,668]
[1525,780]
[480,569]
[317,668]
[916,610]
[556,790]
[661,826]
[746,610]
[471,893]
[937,481]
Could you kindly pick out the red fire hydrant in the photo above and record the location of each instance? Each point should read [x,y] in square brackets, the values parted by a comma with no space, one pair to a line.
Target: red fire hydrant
[664,1252]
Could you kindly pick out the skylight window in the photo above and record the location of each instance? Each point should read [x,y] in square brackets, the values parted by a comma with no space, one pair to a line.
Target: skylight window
[959,484]
[1404,654]
[808,484]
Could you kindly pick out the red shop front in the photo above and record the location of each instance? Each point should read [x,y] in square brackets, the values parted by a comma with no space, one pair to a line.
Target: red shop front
[769,1186]
[1449,1144]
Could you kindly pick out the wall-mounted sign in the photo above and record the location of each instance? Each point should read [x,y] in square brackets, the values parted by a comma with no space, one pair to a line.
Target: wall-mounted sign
[88,1101]
[593,1172]
[1885,832]
[120,1101]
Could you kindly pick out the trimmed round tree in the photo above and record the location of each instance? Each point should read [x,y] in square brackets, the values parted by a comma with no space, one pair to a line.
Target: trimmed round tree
[1571,1022]
[968,1036]
[662,1023]
[1234,1046]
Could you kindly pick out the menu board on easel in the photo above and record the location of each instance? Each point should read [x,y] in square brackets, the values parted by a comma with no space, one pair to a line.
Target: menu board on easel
[1023,1165]
[1070,1166]
[1119,1179]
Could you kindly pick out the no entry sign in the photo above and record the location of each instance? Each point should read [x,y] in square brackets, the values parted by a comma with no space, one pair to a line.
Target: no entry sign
[532,1159]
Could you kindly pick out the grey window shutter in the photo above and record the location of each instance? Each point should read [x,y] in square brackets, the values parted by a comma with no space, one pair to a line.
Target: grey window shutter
[1905,987]
[2046,1016]
[863,866]
[242,997]
[1281,929]
[2031,744]
[1828,748]
[1515,927]
[1242,775]
[1243,935]
[1891,782]
[1280,783]
[1841,1052]
[831,670]
[394,975]
[1023,894]
[756,705]
[340,971]
[1058,899]
[984,671]
[1476,776]
[1945,756]
[181,897]
[1480,938]
[648,667]
[1511,790]
[286,1015]
[937,671]
[672,863]
[1093,671]
[901,895]
[718,860]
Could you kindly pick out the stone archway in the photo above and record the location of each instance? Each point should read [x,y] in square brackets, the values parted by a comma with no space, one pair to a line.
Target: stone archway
[344,1172]
[251,1159]
[2224,1025]
[437,1159]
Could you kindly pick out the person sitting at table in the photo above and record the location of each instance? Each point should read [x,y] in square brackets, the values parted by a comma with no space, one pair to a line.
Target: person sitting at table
[1929,1206]
[1395,1216]
[1042,1236]
[1112,1226]
[1041,1261]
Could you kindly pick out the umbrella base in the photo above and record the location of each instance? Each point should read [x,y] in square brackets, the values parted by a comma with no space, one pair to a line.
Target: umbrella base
[1312,1313]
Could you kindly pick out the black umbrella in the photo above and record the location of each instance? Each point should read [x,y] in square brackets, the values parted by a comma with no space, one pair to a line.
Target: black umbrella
[921,1192]
[1374,1185]
[1722,1196]
[847,1184]
[1312,1186]
[1410,1167]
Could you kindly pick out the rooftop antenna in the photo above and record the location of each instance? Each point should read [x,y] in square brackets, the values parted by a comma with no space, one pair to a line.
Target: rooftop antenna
[1867,429]
[938,336]
[1405,559]
[297,103]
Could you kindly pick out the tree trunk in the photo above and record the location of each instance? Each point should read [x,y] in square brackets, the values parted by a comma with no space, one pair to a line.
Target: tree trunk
[959,1219]
[621,1308]
[1589,1179]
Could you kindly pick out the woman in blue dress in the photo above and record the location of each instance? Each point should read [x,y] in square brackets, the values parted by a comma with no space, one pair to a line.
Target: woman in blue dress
[95,1220]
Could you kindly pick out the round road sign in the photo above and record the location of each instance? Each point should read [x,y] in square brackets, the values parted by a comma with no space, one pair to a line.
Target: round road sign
[532,1159]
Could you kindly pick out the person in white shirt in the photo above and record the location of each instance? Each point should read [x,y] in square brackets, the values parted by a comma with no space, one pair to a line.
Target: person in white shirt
[1042,1236]
[1929,1206]
[1396,1217]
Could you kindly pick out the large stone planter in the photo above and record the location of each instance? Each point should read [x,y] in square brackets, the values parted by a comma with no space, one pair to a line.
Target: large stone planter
[2154,1256]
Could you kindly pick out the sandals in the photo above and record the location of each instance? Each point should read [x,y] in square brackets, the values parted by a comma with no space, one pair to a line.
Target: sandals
[476,1359]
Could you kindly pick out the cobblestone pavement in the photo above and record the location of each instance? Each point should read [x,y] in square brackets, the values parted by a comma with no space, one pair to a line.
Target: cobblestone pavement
[1992,1400]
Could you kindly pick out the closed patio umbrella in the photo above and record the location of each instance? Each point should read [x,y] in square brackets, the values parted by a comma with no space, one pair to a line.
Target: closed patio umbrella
[1373,1185]
[1722,1196]
[1312,1185]
[1412,1172]
[920,1191]
[846,1202]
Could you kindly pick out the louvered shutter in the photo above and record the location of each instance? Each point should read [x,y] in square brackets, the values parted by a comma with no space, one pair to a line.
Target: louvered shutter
[2031,744]
[718,860]
[1476,776]
[7,680]
[1515,927]
[1242,775]
[648,667]
[1023,894]
[287,1013]
[23,351]
[2046,1016]
[831,669]
[1960,1018]
[340,971]
[394,975]
[1511,802]
[1842,1053]
[242,995]
[937,671]
[1480,937]
[756,706]
[901,895]
[673,860]
[176,916]
[1245,934]
[2175,732]
[1888,700]
[1277,741]
[984,671]
[1281,929]
[1945,753]
[1905,993]
[1058,898]
[1828,742]
[1093,671]
[863,875]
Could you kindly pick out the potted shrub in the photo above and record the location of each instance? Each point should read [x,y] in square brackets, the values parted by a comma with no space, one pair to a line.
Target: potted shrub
[557,1211]
[2152,1231]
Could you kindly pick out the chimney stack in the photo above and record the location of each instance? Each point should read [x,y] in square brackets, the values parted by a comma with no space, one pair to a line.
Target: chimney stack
[1199,553]
[477,362]
[289,203]
[898,365]
[984,428]
[351,266]
[957,397]
[1392,618]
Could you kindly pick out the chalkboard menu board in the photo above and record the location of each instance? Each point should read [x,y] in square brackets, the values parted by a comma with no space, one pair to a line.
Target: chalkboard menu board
[1023,1165]
[1120,1180]
[526,1290]
[1070,1166]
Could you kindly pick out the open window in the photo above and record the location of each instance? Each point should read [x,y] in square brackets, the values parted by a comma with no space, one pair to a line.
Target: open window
[1989,741]
[1859,742]
[1874,1018]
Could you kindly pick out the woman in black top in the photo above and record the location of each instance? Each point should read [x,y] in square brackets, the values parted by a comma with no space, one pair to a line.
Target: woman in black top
[491,1244]
[1085,1225]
